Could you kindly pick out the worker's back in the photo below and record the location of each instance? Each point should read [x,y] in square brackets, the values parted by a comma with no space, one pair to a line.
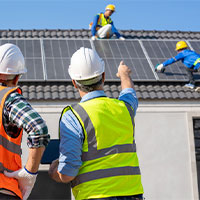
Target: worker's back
[109,150]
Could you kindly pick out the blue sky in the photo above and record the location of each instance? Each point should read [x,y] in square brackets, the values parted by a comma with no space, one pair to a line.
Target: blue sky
[180,15]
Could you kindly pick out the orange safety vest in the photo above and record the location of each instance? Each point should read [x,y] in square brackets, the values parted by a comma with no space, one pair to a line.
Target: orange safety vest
[10,148]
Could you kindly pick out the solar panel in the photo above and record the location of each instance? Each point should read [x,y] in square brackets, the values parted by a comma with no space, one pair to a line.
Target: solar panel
[159,51]
[31,49]
[130,51]
[57,53]
[195,46]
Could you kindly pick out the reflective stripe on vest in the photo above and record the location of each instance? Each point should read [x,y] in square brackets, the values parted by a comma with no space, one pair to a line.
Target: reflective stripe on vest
[103,173]
[93,153]
[10,148]
[197,61]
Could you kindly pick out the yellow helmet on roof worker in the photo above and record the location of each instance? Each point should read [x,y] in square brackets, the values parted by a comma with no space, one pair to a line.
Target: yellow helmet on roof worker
[110,7]
[181,45]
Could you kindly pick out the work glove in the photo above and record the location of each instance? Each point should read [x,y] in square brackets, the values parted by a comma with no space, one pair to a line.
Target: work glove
[93,38]
[121,38]
[25,179]
[160,68]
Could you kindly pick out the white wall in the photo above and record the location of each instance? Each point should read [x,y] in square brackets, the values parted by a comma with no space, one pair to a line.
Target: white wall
[165,145]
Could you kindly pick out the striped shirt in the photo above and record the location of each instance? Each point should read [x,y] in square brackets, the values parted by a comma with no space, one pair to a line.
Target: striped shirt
[18,113]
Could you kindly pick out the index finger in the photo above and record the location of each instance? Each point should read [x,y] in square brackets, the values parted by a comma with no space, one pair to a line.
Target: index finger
[122,62]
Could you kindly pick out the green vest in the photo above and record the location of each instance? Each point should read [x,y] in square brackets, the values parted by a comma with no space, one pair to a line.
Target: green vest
[110,164]
[102,21]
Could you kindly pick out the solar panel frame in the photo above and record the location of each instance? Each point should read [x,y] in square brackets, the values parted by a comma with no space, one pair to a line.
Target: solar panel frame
[113,51]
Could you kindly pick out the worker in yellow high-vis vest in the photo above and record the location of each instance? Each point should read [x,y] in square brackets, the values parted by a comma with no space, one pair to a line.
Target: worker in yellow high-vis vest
[103,27]
[97,138]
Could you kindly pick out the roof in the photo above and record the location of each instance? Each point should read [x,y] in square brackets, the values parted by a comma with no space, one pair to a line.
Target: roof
[144,91]
[65,91]
[85,34]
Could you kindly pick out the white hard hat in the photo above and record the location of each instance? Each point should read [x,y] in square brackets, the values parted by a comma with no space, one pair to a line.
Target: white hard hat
[85,64]
[11,60]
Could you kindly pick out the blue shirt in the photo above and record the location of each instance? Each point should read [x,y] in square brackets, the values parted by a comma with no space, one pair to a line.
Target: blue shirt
[188,58]
[72,136]
[94,25]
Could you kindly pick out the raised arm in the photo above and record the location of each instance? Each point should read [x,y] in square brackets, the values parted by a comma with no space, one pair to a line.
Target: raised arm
[124,73]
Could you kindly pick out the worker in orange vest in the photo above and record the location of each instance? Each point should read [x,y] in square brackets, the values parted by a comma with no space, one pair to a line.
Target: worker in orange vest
[102,26]
[16,115]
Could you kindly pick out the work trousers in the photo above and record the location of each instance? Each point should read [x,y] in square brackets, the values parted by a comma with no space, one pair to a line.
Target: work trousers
[134,197]
[6,196]
[190,75]
[105,31]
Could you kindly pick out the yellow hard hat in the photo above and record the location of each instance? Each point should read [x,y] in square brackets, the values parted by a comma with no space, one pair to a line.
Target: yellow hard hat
[110,7]
[181,45]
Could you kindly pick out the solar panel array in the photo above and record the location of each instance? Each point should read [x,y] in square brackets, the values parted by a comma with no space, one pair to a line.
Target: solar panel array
[48,59]
[114,51]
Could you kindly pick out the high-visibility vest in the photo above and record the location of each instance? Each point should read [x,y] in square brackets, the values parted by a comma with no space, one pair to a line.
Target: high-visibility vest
[197,61]
[10,148]
[102,21]
[110,164]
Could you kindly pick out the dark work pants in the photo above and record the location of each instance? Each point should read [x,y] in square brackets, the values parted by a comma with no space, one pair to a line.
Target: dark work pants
[190,75]
[5,196]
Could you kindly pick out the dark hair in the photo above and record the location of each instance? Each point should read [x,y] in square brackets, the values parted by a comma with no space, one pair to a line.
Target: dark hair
[89,88]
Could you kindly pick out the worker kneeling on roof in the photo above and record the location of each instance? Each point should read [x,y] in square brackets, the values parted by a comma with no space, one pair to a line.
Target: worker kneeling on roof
[188,57]
[97,139]
[102,26]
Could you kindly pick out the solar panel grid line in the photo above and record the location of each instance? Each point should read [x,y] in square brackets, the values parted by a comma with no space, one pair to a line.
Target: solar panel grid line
[62,63]
[43,60]
[161,50]
[140,61]
[67,49]
[189,45]
[108,68]
[116,64]
[135,71]
[53,60]
[148,60]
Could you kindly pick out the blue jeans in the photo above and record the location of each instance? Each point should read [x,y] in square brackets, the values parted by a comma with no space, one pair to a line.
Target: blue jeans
[134,197]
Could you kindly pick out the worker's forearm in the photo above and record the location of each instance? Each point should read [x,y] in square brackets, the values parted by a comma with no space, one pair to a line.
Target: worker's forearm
[57,176]
[126,82]
[34,158]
